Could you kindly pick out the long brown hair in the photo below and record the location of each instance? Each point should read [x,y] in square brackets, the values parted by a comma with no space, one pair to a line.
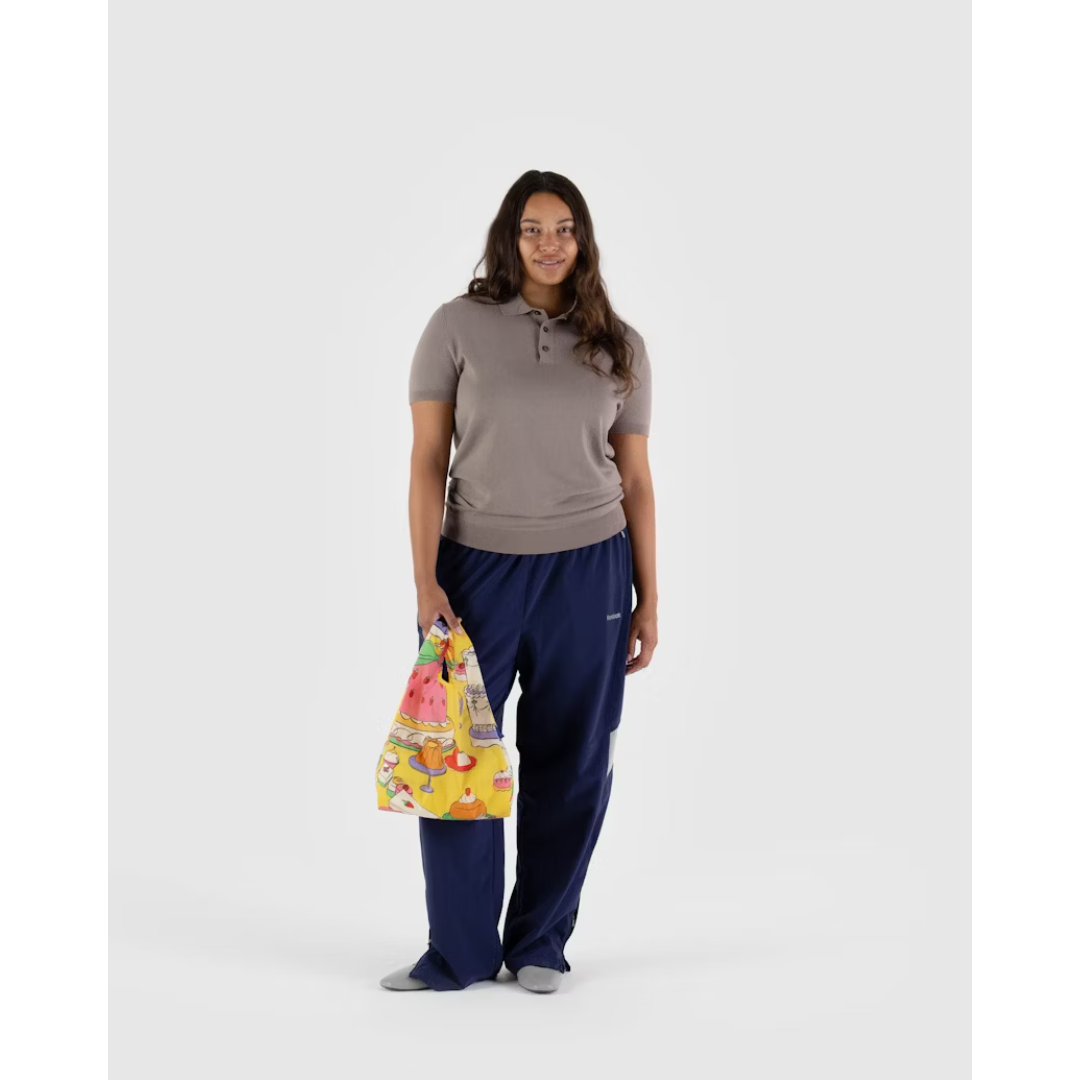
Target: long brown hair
[597,324]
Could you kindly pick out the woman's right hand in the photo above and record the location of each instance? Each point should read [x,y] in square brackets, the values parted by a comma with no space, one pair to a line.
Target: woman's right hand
[431,602]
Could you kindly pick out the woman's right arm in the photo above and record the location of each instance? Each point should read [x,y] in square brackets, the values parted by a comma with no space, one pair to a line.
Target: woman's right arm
[433,430]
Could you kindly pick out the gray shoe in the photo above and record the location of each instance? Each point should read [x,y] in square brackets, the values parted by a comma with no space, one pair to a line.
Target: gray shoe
[539,980]
[402,980]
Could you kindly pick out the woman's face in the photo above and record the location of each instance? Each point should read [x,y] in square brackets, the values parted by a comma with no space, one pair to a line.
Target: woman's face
[546,239]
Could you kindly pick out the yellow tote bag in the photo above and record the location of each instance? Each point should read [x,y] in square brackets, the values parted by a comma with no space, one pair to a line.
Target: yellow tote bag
[443,757]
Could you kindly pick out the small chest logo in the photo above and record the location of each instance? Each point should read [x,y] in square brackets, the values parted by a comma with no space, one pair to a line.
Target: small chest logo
[617,615]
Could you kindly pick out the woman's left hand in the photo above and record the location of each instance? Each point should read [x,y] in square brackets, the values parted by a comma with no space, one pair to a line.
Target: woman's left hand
[642,629]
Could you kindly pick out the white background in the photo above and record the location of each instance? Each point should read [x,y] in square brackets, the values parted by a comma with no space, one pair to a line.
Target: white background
[781,196]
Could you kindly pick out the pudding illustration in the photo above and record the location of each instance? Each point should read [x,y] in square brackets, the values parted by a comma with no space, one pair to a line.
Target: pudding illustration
[504,779]
[429,760]
[431,756]
[467,808]
[386,768]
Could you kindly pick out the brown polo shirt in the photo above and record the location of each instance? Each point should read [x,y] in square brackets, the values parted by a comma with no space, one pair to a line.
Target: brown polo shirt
[532,469]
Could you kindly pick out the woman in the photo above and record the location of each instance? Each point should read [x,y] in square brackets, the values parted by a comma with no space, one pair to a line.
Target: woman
[549,520]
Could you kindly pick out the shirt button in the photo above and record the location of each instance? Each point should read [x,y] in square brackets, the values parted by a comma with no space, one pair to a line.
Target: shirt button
[544,347]
[536,312]
[545,329]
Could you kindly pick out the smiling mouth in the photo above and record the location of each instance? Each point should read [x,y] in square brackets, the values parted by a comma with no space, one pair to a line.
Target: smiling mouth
[549,262]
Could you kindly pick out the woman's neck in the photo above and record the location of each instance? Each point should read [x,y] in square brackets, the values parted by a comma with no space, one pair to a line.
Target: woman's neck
[549,298]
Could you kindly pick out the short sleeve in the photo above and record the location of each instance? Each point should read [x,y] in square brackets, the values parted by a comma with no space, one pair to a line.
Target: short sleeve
[635,415]
[434,372]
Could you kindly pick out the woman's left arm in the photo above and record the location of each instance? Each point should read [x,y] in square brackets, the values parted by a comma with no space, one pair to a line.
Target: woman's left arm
[639,506]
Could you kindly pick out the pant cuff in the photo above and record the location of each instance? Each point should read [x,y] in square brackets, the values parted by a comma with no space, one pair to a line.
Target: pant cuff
[436,973]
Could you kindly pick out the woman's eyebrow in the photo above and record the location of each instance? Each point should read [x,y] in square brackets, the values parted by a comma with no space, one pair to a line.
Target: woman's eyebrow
[535,222]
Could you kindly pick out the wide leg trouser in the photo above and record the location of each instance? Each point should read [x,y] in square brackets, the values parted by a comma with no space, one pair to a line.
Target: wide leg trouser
[561,622]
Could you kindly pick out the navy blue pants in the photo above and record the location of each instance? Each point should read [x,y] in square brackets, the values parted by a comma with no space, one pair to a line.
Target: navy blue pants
[561,622]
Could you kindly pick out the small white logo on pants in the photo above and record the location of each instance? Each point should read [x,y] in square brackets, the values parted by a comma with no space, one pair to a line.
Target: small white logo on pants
[617,615]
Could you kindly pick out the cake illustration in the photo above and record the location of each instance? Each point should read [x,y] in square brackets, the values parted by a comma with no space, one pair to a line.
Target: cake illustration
[467,808]
[387,766]
[423,712]
[410,738]
[482,731]
[424,700]
[504,779]
[429,759]
[403,801]
[460,761]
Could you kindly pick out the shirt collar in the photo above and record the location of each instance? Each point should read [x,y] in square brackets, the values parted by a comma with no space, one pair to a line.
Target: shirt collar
[519,306]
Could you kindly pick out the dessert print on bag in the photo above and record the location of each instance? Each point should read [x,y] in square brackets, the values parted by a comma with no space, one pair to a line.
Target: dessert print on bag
[444,757]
